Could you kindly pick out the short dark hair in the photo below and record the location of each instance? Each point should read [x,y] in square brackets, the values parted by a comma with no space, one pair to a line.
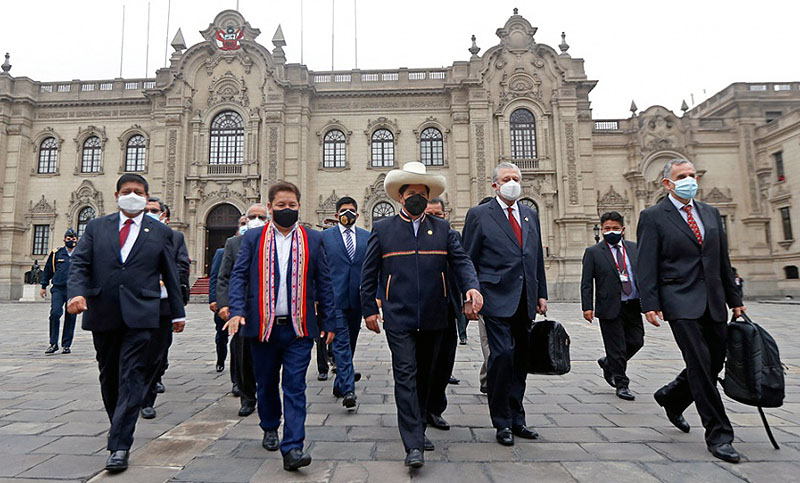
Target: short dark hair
[133,178]
[439,201]
[166,211]
[613,216]
[405,187]
[283,186]
[156,199]
[346,200]
[486,200]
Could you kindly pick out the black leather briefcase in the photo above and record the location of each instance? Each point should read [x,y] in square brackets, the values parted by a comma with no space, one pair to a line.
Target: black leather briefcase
[548,350]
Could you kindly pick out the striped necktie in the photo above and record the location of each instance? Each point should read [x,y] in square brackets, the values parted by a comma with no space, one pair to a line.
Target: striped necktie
[348,241]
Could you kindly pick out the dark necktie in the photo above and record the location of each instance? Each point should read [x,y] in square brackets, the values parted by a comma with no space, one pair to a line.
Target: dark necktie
[692,223]
[351,249]
[123,233]
[627,288]
[515,225]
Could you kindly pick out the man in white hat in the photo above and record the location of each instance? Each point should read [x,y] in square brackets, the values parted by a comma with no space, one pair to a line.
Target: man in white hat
[406,265]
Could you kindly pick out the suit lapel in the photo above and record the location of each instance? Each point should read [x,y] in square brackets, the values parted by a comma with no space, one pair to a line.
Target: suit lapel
[608,255]
[113,234]
[525,221]
[340,244]
[144,232]
[502,221]
[677,219]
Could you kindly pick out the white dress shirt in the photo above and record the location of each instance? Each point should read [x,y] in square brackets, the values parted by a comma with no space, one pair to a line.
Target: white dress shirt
[414,222]
[283,245]
[514,207]
[125,249]
[679,206]
[634,293]
[342,230]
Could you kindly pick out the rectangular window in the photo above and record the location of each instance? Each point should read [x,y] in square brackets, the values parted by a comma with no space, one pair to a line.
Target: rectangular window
[783,87]
[786,220]
[87,87]
[758,87]
[46,89]
[770,116]
[41,239]
[149,84]
[779,165]
[131,85]
[106,86]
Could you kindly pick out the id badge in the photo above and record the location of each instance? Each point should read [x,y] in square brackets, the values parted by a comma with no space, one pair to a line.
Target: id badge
[623,277]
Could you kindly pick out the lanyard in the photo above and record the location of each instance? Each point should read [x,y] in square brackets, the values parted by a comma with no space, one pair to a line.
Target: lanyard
[615,258]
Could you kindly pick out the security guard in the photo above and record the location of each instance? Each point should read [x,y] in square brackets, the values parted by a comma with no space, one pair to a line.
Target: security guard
[56,270]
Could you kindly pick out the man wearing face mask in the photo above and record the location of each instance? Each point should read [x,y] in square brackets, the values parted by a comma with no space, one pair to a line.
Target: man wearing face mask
[406,264]
[56,270]
[685,278]
[345,245]
[611,267]
[244,386]
[503,238]
[114,280]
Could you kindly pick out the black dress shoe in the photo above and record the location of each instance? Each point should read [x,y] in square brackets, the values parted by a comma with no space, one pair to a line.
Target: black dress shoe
[235,390]
[220,367]
[117,461]
[51,349]
[247,409]
[463,341]
[356,376]
[725,452]
[414,458]
[676,419]
[270,441]
[349,400]
[625,393]
[427,444]
[295,459]
[160,387]
[453,380]
[438,422]
[148,413]
[606,374]
[525,432]
[484,390]
[66,350]
[322,376]
[505,437]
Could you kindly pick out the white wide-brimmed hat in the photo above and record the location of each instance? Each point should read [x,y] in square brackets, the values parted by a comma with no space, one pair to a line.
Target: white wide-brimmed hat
[413,173]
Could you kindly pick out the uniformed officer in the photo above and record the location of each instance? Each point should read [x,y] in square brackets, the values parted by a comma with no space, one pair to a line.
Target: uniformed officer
[56,270]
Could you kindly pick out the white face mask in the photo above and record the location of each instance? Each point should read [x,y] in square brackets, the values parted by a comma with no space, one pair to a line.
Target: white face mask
[132,203]
[511,190]
[242,229]
[155,217]
[255,223]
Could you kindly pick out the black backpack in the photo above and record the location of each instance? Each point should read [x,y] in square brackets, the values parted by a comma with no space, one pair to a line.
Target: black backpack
[753,369]
[548,348]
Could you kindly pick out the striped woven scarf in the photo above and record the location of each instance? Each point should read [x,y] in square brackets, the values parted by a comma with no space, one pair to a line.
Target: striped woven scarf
[268,290]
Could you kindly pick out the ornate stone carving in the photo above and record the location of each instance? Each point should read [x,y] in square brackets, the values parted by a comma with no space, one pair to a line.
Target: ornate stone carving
[372,195]
[480,157]
[85,195]
[47,132]
[224,193]
[659,130]
[519,85]
[227,89]
[245,60]
[517,34]
[461,117]
[90,130]
[611,198]
[327,207]
[716,196]
[223,22]
[273,155]
[172,151]
[42,207]
[572,167]
[133,130]
[382,122]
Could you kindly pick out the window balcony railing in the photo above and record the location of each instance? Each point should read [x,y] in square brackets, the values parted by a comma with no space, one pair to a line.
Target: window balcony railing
[224,169]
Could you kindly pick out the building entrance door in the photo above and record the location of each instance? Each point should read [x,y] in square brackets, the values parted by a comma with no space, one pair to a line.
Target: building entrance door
[222,223]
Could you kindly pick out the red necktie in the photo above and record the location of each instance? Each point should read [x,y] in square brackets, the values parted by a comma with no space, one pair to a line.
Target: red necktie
[123,233]
[692,223]
[515,225]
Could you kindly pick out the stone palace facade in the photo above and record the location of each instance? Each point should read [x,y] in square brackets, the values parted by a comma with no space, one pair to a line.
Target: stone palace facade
[230,116]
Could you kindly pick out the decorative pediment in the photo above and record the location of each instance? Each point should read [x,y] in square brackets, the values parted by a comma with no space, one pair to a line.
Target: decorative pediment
[132,131]
[88,131]
[48,132]
[716,196]
[660,129]
[225,193]
[517,34]
[228,29]
[327,207]
[228,89]
[85,195]
[372,195]
[382,122]
[334,123]
[42,207]
[244,59]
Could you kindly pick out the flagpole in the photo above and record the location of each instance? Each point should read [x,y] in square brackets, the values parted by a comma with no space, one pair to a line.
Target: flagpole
[333,28]
[122,41]
[355,28]
[301,31]
[166,39]
[147,51]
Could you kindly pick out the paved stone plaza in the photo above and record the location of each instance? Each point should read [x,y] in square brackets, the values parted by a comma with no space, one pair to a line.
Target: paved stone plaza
[52,425]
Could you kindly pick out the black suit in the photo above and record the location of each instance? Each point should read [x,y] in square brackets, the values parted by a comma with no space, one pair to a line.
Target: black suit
[620,322]
[690,283]
[123,310]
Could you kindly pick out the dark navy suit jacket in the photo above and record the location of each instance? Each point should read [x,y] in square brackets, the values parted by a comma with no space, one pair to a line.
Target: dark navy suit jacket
[600,270]
[346,275]
[124,294]
[213,273]
[243,293]
[501,263]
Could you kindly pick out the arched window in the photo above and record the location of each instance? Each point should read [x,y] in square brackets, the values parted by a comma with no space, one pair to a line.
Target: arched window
[523,135]
[84,216]
[227,139]
[381,210]
[431,147]
[530,204]
[90,158]
[48,156]
[333,150]
[791,272]
[382,148]
[135,153]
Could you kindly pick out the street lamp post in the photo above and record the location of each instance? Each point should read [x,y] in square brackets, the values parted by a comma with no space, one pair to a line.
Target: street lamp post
[596,230]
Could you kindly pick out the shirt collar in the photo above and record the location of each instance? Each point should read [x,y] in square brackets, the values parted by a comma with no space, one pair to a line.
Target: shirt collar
[137,220]
[406,217]
[278,233]
[343,229]
[514,206]
[679,205]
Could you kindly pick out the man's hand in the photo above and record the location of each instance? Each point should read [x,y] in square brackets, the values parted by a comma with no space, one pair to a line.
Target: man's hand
[588,315]
[212,306]
[372,323]
[178,326]
[224,313]
[469,311]
[476,298]
[328,336]
[653,316]
[77,305]
[233,324]
[738,311]
[42,292]
[541,307]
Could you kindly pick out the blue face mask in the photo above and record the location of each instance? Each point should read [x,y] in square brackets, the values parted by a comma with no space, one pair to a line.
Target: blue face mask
[242,229]
[155,217]
[686,188]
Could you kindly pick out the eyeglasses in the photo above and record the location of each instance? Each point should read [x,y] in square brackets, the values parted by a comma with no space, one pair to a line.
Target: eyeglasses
[155,211]
[260,217]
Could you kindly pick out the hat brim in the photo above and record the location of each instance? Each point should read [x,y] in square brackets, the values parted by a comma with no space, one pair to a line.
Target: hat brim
[397,178]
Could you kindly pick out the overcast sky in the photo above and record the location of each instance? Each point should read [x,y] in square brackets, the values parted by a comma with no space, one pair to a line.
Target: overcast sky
[652,52]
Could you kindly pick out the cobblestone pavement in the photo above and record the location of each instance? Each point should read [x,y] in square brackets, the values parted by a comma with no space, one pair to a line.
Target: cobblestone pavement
[52,426]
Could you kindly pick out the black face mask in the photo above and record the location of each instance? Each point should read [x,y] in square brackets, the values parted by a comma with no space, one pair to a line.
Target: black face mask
[286,217]
[70,243]
[347,218]
[416,204]
[612,238]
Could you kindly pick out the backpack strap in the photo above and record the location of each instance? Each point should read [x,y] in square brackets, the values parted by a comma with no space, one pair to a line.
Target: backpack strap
[766,426]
